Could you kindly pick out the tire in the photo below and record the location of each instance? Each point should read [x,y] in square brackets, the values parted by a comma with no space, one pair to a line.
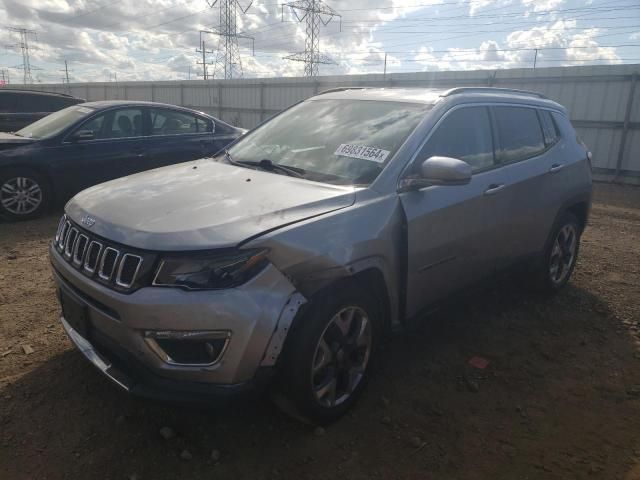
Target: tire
[24,194]
[322,352]
[554,269]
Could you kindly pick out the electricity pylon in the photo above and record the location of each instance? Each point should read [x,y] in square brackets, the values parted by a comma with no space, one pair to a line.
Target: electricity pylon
[228,58]
[24,47]
[315,12]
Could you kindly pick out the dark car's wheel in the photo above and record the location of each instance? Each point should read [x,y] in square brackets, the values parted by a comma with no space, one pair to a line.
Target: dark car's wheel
[560,255]
[329,353]
[24,194]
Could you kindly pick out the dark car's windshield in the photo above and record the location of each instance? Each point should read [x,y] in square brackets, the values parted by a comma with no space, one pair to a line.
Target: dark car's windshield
[334,141]
[56,122]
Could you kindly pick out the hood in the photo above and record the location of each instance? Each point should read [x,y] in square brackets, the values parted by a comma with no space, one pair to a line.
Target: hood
[201,205]
[8,140]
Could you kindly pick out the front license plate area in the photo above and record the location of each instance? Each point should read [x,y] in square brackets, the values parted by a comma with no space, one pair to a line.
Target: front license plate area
[75,313]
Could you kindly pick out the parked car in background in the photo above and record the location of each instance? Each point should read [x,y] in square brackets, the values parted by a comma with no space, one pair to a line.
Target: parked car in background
[19,108]
[87,144]
[292,252]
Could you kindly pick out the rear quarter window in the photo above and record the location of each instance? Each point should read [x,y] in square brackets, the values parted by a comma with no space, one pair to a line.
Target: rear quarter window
[519,133]
[549,128]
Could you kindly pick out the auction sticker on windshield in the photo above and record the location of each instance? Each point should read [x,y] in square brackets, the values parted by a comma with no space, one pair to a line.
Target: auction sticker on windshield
[362,152]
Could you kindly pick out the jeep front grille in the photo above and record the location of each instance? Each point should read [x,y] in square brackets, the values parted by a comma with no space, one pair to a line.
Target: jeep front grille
[105,262]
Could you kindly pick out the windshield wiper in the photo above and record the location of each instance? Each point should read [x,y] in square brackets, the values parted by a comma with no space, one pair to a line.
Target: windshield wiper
[269,165]
[265,164]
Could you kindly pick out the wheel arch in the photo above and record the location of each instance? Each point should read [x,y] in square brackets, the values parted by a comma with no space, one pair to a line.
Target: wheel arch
[579,206]
[38,169]
[581,212]
[366,275]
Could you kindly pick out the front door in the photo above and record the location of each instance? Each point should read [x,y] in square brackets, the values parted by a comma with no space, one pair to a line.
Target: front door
[117,149]
[453,232]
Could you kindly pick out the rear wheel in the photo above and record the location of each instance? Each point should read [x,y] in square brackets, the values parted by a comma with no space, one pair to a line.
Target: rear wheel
[560,255]
[328,356]
[24,194]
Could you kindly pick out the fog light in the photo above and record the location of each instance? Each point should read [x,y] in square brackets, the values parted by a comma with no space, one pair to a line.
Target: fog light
[194,348]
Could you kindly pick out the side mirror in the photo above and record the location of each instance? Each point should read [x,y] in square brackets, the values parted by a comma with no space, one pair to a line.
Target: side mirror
[439,171]
[83,136]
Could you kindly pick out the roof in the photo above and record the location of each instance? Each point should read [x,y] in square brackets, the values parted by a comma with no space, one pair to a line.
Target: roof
[114,103]
[409,95]
[41,92]
[430,96]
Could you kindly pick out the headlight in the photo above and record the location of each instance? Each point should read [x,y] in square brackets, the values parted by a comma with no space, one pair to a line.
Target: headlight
[200,272]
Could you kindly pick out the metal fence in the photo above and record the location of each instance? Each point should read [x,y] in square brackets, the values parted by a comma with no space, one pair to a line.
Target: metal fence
[602,100]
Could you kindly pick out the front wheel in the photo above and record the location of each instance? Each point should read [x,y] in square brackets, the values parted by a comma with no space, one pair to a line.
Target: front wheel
[24,194]
[329,354]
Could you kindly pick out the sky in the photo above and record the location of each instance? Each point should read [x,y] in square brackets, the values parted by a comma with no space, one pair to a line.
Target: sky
[116,40]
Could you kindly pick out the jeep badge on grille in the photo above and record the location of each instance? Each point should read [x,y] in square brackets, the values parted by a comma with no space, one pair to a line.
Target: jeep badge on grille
[88,221]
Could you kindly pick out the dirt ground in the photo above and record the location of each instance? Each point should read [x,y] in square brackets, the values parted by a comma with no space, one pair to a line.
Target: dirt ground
[560,398]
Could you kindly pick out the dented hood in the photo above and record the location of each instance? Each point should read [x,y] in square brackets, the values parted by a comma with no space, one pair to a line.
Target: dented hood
[200,205]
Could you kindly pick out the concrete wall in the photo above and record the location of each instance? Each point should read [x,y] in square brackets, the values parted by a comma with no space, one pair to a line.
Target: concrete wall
[603,100]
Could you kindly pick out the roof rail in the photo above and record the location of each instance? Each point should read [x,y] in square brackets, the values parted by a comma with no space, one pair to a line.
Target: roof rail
[341,89]
[459,90]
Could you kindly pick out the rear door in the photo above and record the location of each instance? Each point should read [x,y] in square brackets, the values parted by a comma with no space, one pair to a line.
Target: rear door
[177,136]
[526,147]
[116,150]
[453,232]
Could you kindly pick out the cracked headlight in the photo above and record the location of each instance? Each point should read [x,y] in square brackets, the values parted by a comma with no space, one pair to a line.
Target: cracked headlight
[213,271]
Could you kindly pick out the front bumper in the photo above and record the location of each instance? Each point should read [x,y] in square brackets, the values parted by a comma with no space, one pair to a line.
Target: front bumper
[257,314]
[127,373]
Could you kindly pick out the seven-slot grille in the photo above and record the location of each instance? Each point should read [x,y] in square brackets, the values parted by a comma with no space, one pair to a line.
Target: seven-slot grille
[93,256]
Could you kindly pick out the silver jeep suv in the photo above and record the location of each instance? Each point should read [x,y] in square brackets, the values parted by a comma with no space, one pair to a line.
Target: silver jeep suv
[295,250]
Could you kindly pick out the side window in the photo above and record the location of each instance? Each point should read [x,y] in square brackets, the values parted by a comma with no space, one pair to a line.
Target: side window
[8,102]
[464,134]
[549,128]
[95,125]
[58,103]
[30,103]
[519,133]
[171,122]
[124,123]
[127,122]
[204,125]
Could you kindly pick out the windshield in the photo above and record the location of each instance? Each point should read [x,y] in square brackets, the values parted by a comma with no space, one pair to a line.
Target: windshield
[346,142]
[56,122]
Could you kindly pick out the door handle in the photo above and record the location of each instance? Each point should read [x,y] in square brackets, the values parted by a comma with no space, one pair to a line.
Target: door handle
[556,167]
[494,188]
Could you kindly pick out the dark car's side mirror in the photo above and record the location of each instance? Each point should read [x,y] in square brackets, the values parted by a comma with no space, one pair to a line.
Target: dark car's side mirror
[83,136]
[439,171]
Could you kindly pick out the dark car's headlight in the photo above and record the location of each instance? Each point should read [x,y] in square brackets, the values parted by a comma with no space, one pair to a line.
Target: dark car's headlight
[215,271]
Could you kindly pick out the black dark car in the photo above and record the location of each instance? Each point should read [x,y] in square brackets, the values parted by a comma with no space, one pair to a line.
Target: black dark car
[83,145]
[19,108]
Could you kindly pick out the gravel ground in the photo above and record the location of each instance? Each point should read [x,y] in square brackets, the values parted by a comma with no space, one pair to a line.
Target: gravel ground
[560,397]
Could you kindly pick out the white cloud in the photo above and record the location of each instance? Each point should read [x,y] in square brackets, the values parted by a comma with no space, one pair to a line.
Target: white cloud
[541,5]
[157,39]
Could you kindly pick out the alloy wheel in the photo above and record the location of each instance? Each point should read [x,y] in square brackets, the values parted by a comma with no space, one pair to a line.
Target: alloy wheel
[563,253]
[341,356]
[20,195]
